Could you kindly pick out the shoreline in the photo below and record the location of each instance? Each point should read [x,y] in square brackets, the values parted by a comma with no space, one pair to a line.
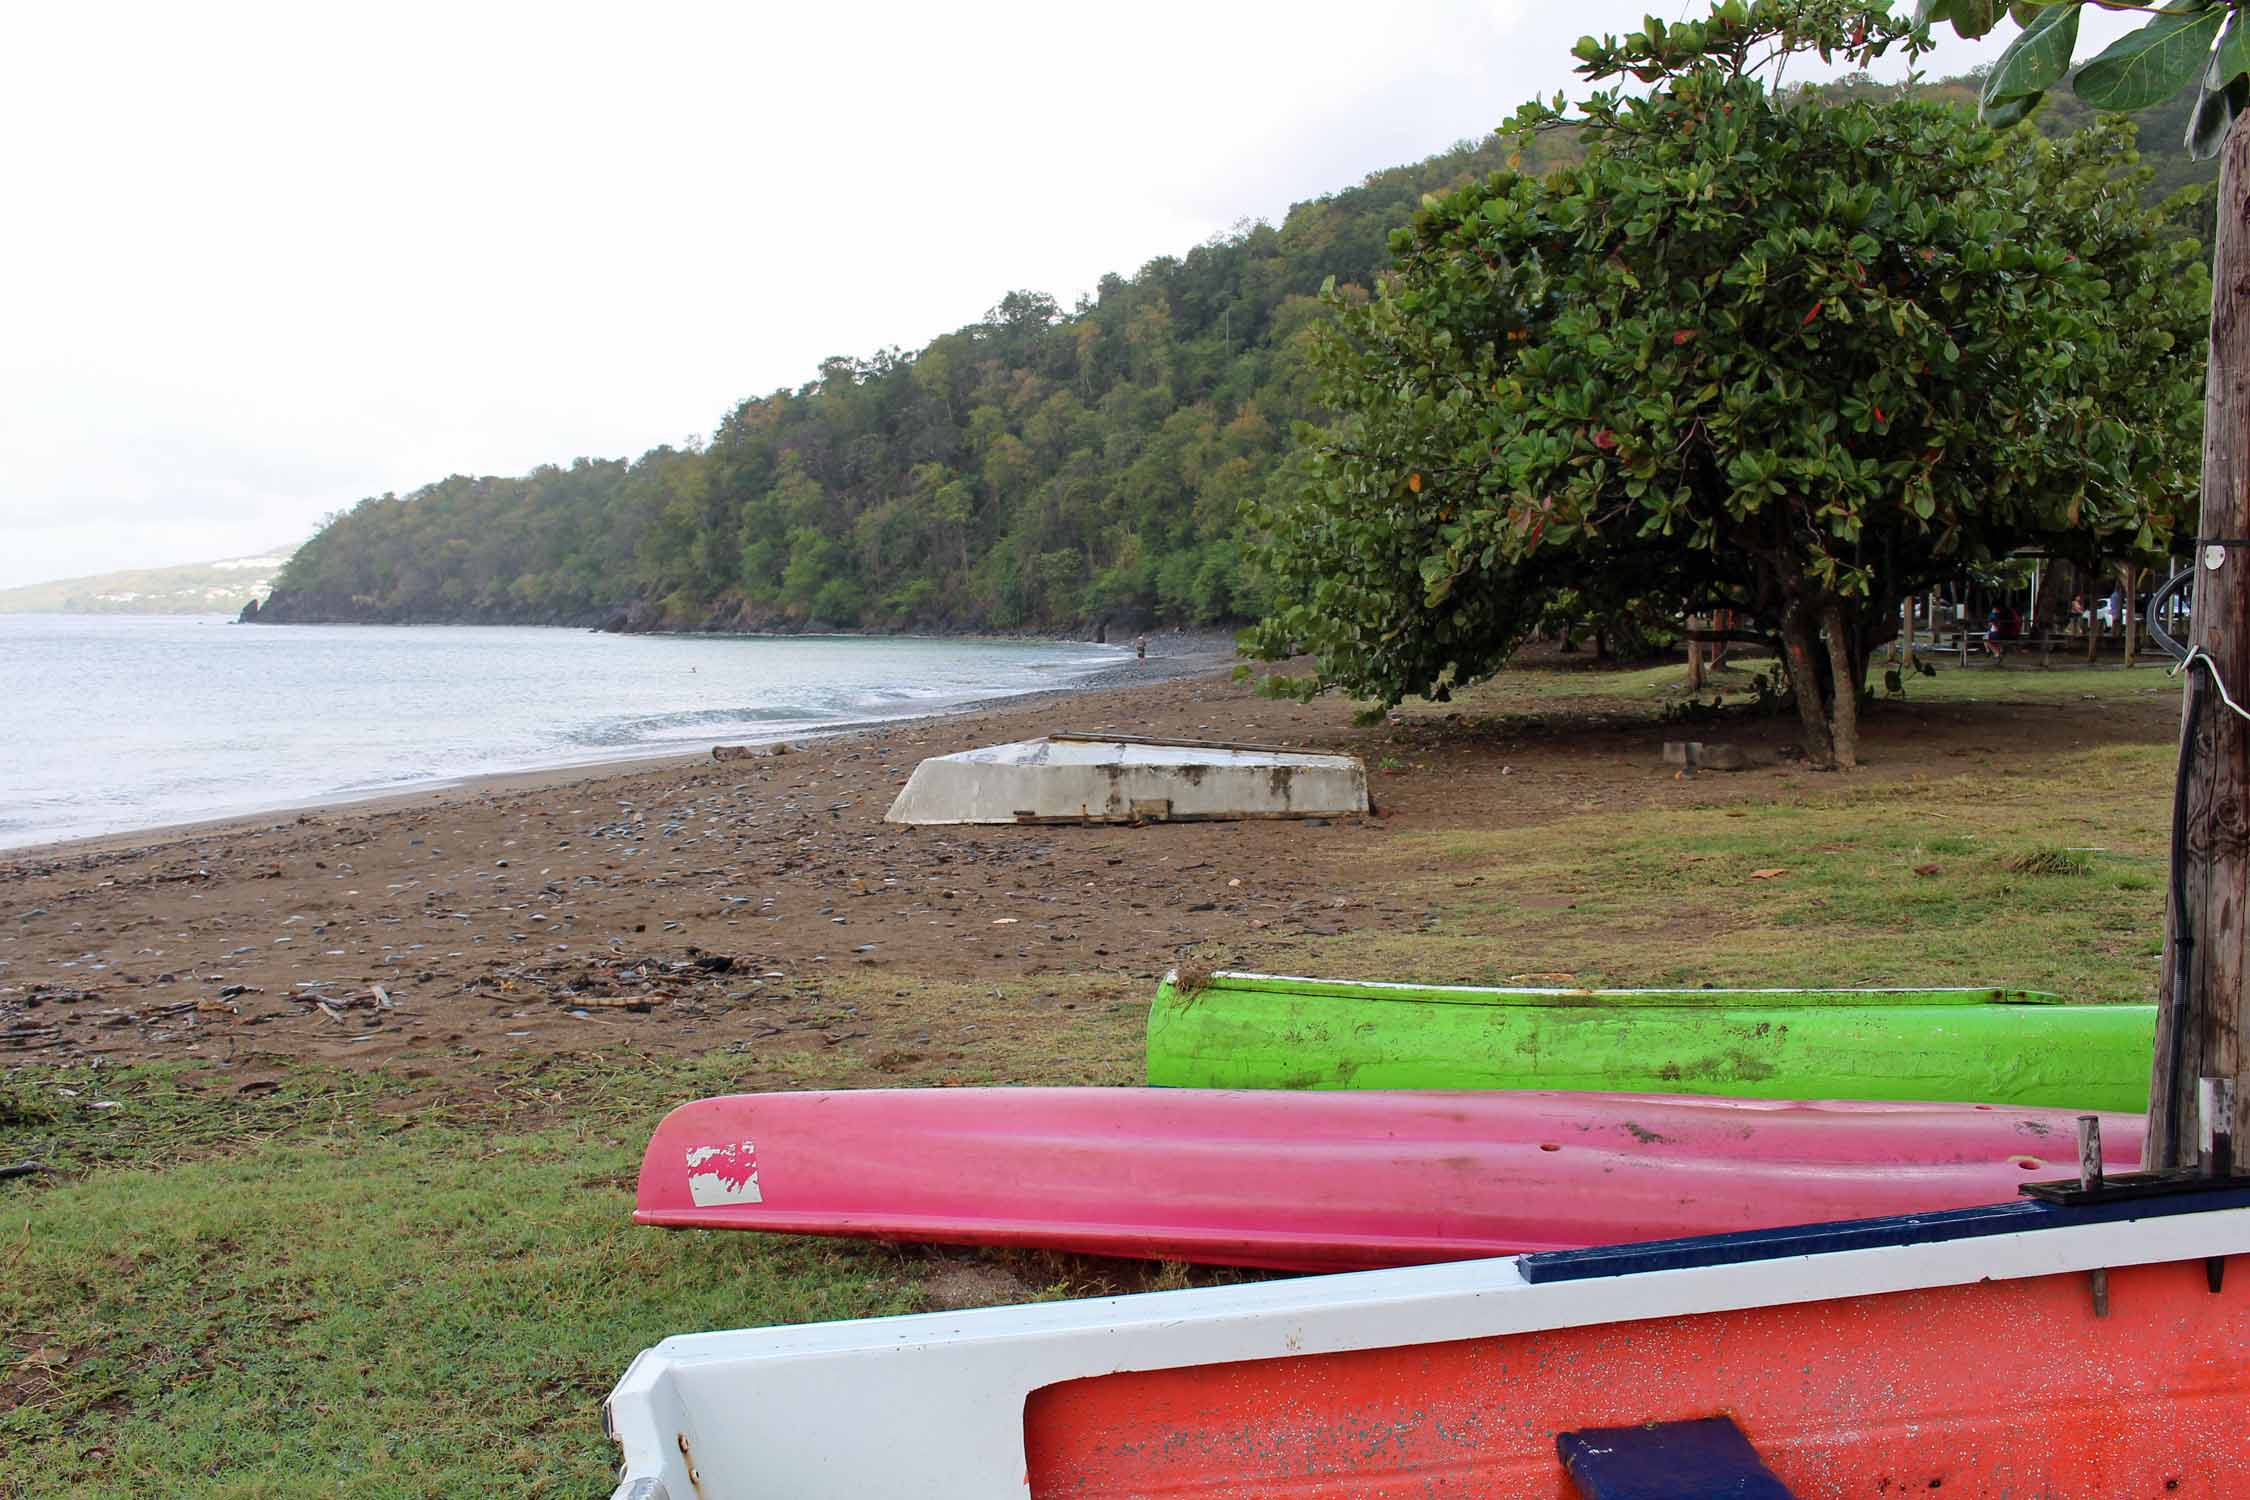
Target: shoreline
[1205,653]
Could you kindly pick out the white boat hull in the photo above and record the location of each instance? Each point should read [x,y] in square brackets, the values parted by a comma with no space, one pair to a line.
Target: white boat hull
[1070,780]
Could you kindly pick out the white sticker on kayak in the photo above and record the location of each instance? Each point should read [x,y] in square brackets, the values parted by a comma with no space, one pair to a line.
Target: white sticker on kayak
[731,1175]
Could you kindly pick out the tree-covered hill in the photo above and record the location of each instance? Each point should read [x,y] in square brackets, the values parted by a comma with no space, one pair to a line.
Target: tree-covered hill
[1042,469]
[1037,469]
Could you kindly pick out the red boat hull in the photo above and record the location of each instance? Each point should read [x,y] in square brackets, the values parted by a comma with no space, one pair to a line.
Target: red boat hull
[1328,1180]
[2005,1390]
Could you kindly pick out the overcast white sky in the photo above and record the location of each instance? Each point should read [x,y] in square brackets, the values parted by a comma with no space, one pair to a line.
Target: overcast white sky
[264,260]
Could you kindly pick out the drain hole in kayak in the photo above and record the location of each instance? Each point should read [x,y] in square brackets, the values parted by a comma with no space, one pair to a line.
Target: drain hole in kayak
[1549,1146]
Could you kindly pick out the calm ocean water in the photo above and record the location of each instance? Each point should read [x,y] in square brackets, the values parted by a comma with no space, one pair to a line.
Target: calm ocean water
[117,723]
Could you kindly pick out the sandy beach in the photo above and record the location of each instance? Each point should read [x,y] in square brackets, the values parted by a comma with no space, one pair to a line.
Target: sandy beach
[763,905]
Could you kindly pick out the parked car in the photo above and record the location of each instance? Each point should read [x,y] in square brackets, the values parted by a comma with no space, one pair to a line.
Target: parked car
[2102,612]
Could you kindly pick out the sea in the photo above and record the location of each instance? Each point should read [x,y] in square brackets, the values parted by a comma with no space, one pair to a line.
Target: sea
[116,723]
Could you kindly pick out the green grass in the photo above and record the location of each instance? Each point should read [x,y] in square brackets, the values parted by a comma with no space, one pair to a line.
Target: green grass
[338,1286]
[1635,685]
[1901,883]
[436,1311]
[328,1286]
[1056,1029]
[1655,688]
[153,1115]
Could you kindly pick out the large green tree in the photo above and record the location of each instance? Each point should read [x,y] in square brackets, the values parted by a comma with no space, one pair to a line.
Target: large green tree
[1760,349]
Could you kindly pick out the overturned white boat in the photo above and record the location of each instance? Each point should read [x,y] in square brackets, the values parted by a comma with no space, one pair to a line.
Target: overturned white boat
[1089,778]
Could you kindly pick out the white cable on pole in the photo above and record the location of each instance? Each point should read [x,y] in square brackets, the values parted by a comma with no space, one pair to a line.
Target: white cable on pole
[2197,653]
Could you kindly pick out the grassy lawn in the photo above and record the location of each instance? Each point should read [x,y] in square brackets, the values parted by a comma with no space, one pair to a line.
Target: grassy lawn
[352,1301]
[1902,883]
[422,1314]
[2021,681]
[336,1287]
[340,1286]
[2028,682]
[360,1296]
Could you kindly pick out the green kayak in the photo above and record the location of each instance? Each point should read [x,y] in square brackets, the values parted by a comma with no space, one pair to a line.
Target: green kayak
[1987,1046]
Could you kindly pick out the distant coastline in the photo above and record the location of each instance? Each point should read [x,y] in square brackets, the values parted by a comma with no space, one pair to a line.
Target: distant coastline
[199,588]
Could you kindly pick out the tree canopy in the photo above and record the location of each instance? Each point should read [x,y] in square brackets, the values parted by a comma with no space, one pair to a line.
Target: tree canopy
[1778,352]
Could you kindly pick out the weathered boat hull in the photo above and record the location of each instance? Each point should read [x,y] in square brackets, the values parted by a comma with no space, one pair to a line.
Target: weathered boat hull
[1077,779]
[1327,1181]
[1984,1045]
[1958,1355]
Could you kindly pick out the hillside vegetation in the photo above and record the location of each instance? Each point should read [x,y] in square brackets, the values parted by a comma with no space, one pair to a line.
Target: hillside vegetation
[1042,469]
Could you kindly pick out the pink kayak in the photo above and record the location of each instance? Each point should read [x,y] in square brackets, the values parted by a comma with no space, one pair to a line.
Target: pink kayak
[1330,1179]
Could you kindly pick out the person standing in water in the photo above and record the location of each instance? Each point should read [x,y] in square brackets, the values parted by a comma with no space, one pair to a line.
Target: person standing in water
[1140,648]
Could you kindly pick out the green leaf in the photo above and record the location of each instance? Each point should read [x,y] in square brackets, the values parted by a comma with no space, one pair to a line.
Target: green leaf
[2208,125]
[1928,12]
[2006,112]
[2152,64]
[2232,59]
[1973,18]
[2037,59]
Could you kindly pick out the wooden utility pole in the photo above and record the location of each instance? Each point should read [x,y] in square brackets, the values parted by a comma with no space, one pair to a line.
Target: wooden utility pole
[2203,1005]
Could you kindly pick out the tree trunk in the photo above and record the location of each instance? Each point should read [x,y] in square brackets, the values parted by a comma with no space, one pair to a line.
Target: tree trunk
[1846,673]
[1798,643]
[1694,656]
[2129,616]
[2203,1005]
[1862,635]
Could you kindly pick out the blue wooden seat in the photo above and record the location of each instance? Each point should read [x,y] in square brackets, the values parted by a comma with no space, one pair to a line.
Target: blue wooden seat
[1707,1459]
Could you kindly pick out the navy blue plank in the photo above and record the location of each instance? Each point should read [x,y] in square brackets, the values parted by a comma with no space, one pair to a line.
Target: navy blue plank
[1858,1234]
[1707,1459]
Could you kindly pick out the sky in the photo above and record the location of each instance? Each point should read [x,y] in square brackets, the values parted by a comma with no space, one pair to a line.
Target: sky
[263,261]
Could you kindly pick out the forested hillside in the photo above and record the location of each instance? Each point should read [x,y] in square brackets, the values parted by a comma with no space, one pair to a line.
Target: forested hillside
[1045,468]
